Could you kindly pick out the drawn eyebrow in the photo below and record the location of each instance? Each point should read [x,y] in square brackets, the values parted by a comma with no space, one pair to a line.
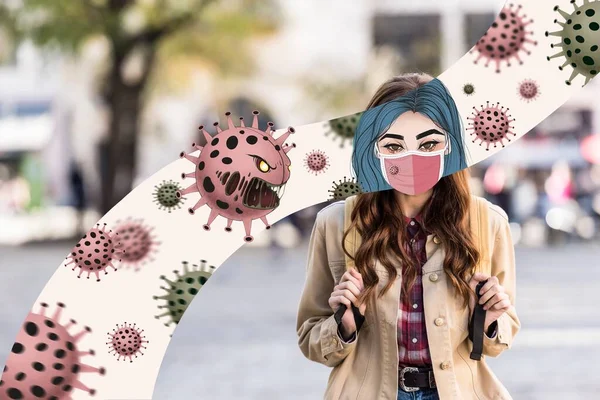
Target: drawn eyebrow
[392,135]
[429,132]
[259,157]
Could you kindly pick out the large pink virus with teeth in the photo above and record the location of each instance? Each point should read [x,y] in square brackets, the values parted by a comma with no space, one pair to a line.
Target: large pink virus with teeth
[45,361]
[95,252]
[126,341]
[240,173]
[136,242]
[505,39]
[491,125]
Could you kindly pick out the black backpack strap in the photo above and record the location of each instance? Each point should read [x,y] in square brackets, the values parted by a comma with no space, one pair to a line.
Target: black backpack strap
[477,325]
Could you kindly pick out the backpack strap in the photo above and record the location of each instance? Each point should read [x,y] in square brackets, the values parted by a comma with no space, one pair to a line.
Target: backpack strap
[480,231]
[353,239]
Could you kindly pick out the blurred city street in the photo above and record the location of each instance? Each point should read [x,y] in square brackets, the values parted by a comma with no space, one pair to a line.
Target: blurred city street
[238,340]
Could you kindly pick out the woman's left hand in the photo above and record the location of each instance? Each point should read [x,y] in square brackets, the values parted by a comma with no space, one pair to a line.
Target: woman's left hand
[493,296]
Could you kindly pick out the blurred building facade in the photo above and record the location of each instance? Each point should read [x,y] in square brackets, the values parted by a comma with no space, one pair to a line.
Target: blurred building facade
[326,59]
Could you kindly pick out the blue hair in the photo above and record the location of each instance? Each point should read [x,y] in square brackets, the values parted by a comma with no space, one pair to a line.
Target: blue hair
[432,100]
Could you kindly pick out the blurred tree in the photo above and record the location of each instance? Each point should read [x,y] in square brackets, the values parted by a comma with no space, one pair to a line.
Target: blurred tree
[143,36]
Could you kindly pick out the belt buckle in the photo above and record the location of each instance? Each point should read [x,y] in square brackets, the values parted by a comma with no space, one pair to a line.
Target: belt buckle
[403,371]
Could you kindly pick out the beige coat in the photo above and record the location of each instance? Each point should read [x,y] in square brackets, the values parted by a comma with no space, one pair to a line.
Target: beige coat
[366,368]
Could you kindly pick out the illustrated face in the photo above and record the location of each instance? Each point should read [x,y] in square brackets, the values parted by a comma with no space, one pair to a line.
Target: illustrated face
[412,132]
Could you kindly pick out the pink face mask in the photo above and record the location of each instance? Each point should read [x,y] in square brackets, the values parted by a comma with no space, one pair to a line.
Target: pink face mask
[412,172]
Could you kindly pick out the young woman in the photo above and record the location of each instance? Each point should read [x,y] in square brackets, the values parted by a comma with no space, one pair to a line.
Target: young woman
[413,276]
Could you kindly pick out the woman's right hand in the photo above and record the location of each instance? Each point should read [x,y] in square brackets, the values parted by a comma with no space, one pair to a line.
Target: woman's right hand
[347,292]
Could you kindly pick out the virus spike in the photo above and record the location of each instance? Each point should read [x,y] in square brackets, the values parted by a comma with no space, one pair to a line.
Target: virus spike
[188,190]
[242,125]
[255,119]
[82,333]
[269,130]
[198,204]
[281,139]
[188,175]
[217,127]
[188,157]
[205,133]
[287,149]
[230,124]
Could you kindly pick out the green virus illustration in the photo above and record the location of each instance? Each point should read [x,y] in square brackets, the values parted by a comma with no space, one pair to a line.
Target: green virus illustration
[580,37]
[469,89]
[344,188]
[343,127]
[165,195]
[181,291]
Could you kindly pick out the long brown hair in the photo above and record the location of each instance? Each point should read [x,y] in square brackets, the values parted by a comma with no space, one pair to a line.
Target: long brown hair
[380,223]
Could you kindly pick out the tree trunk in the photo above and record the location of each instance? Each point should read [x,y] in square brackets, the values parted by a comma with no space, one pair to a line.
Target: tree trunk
[125,109]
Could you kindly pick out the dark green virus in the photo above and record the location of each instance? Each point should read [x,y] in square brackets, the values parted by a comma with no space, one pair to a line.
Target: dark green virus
[182,290]
[343,127]
[345,188]
[580,38]
[165,195]
[469,89]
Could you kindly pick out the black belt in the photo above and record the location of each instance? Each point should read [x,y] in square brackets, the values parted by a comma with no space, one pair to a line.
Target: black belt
[411,379]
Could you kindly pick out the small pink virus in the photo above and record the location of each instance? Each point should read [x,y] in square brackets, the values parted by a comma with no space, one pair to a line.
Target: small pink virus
[491,125]
[95,252]
[126,341]
[45,361]
[137,243]
[394,170]
[240,173]
[316,162]
[505,38]
[528,90]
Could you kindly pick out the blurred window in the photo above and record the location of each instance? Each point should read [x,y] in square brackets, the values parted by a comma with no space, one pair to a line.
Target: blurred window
[31,109]
[416,37]
[476,25]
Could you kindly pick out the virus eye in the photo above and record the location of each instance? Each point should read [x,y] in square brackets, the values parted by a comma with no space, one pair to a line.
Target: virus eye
[262,165]
[290,167]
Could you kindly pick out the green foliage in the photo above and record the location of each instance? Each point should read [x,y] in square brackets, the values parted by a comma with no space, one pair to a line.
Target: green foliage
[212,30]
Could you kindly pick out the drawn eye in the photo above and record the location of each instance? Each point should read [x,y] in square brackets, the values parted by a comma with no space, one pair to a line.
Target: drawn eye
[262,165]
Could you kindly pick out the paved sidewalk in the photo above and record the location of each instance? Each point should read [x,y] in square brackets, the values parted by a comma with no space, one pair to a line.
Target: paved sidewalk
[247,348]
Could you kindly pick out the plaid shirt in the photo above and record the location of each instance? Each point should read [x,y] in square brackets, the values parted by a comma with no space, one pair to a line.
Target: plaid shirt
[413,347]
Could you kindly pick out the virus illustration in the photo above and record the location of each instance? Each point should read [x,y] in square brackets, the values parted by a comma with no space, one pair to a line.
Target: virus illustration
[468,89]
[491,125]
[45,361]
[580,37]
[136,243]
[165,195]
[344,189]
[528,90]
[505,39]
[126,341]
[343,127]
[181,292]
[240,173]
[316,162]
[95,252]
